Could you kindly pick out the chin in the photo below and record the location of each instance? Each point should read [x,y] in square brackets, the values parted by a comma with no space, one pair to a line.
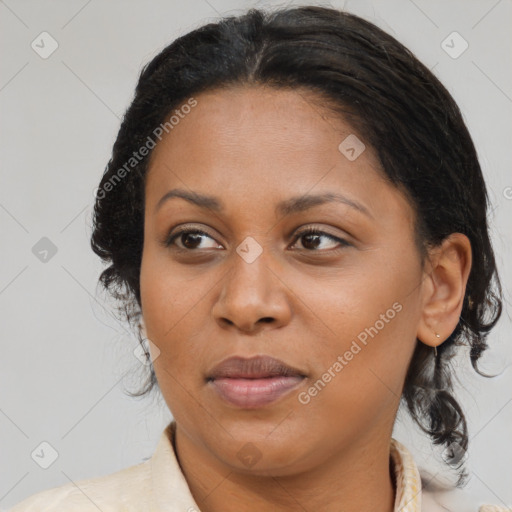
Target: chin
[259,448]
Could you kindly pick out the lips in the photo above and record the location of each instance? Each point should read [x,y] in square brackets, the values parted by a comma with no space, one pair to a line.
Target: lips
[253,382]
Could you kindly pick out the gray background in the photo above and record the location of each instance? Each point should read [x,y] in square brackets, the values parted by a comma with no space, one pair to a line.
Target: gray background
[65,361]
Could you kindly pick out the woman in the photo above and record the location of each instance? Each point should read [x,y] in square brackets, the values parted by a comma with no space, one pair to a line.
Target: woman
[295,215]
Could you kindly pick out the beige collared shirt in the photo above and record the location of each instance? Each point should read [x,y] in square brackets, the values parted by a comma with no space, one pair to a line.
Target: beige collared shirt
[158,485]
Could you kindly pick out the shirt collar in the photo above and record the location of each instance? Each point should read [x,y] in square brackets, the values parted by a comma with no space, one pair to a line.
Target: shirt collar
[406,477]
[170,491]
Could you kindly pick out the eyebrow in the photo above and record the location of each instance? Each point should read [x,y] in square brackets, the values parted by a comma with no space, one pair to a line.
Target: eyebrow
[287,207]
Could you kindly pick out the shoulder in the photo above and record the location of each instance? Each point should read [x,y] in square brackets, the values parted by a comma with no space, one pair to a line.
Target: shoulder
[126,490]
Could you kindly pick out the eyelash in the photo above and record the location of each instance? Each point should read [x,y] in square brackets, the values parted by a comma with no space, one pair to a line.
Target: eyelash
[308,231]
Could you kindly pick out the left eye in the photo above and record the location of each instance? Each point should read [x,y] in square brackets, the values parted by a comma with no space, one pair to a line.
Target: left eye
[313,239]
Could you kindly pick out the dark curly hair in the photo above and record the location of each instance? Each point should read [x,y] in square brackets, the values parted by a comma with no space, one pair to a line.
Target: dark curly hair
[368,78]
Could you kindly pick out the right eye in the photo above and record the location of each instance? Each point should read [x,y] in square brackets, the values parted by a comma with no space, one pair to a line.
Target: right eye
[190,239]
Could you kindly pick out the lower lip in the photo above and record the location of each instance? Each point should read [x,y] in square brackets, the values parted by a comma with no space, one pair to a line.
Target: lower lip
[254,393]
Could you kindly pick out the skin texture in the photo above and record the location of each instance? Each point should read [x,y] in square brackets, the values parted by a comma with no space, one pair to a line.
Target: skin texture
[302,300]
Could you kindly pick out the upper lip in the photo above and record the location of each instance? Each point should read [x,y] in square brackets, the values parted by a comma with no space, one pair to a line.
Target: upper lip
[257,367]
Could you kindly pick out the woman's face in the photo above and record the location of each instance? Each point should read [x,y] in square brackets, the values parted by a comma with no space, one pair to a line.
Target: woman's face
[339,307]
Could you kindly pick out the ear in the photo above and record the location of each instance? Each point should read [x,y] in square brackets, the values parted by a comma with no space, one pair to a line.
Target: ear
[444,286]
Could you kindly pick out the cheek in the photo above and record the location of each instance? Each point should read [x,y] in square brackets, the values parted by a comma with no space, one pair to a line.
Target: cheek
[372,316]
[175,309]
[161,299]
[359,382]
[166,292]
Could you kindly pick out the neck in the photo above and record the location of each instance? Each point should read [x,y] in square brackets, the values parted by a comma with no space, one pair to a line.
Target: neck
[360,478]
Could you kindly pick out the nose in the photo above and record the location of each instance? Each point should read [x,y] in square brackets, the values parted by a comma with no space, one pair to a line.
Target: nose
[253,295]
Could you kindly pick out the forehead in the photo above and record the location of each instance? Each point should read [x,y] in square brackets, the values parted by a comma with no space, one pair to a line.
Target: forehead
[266,141]
[281,118]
